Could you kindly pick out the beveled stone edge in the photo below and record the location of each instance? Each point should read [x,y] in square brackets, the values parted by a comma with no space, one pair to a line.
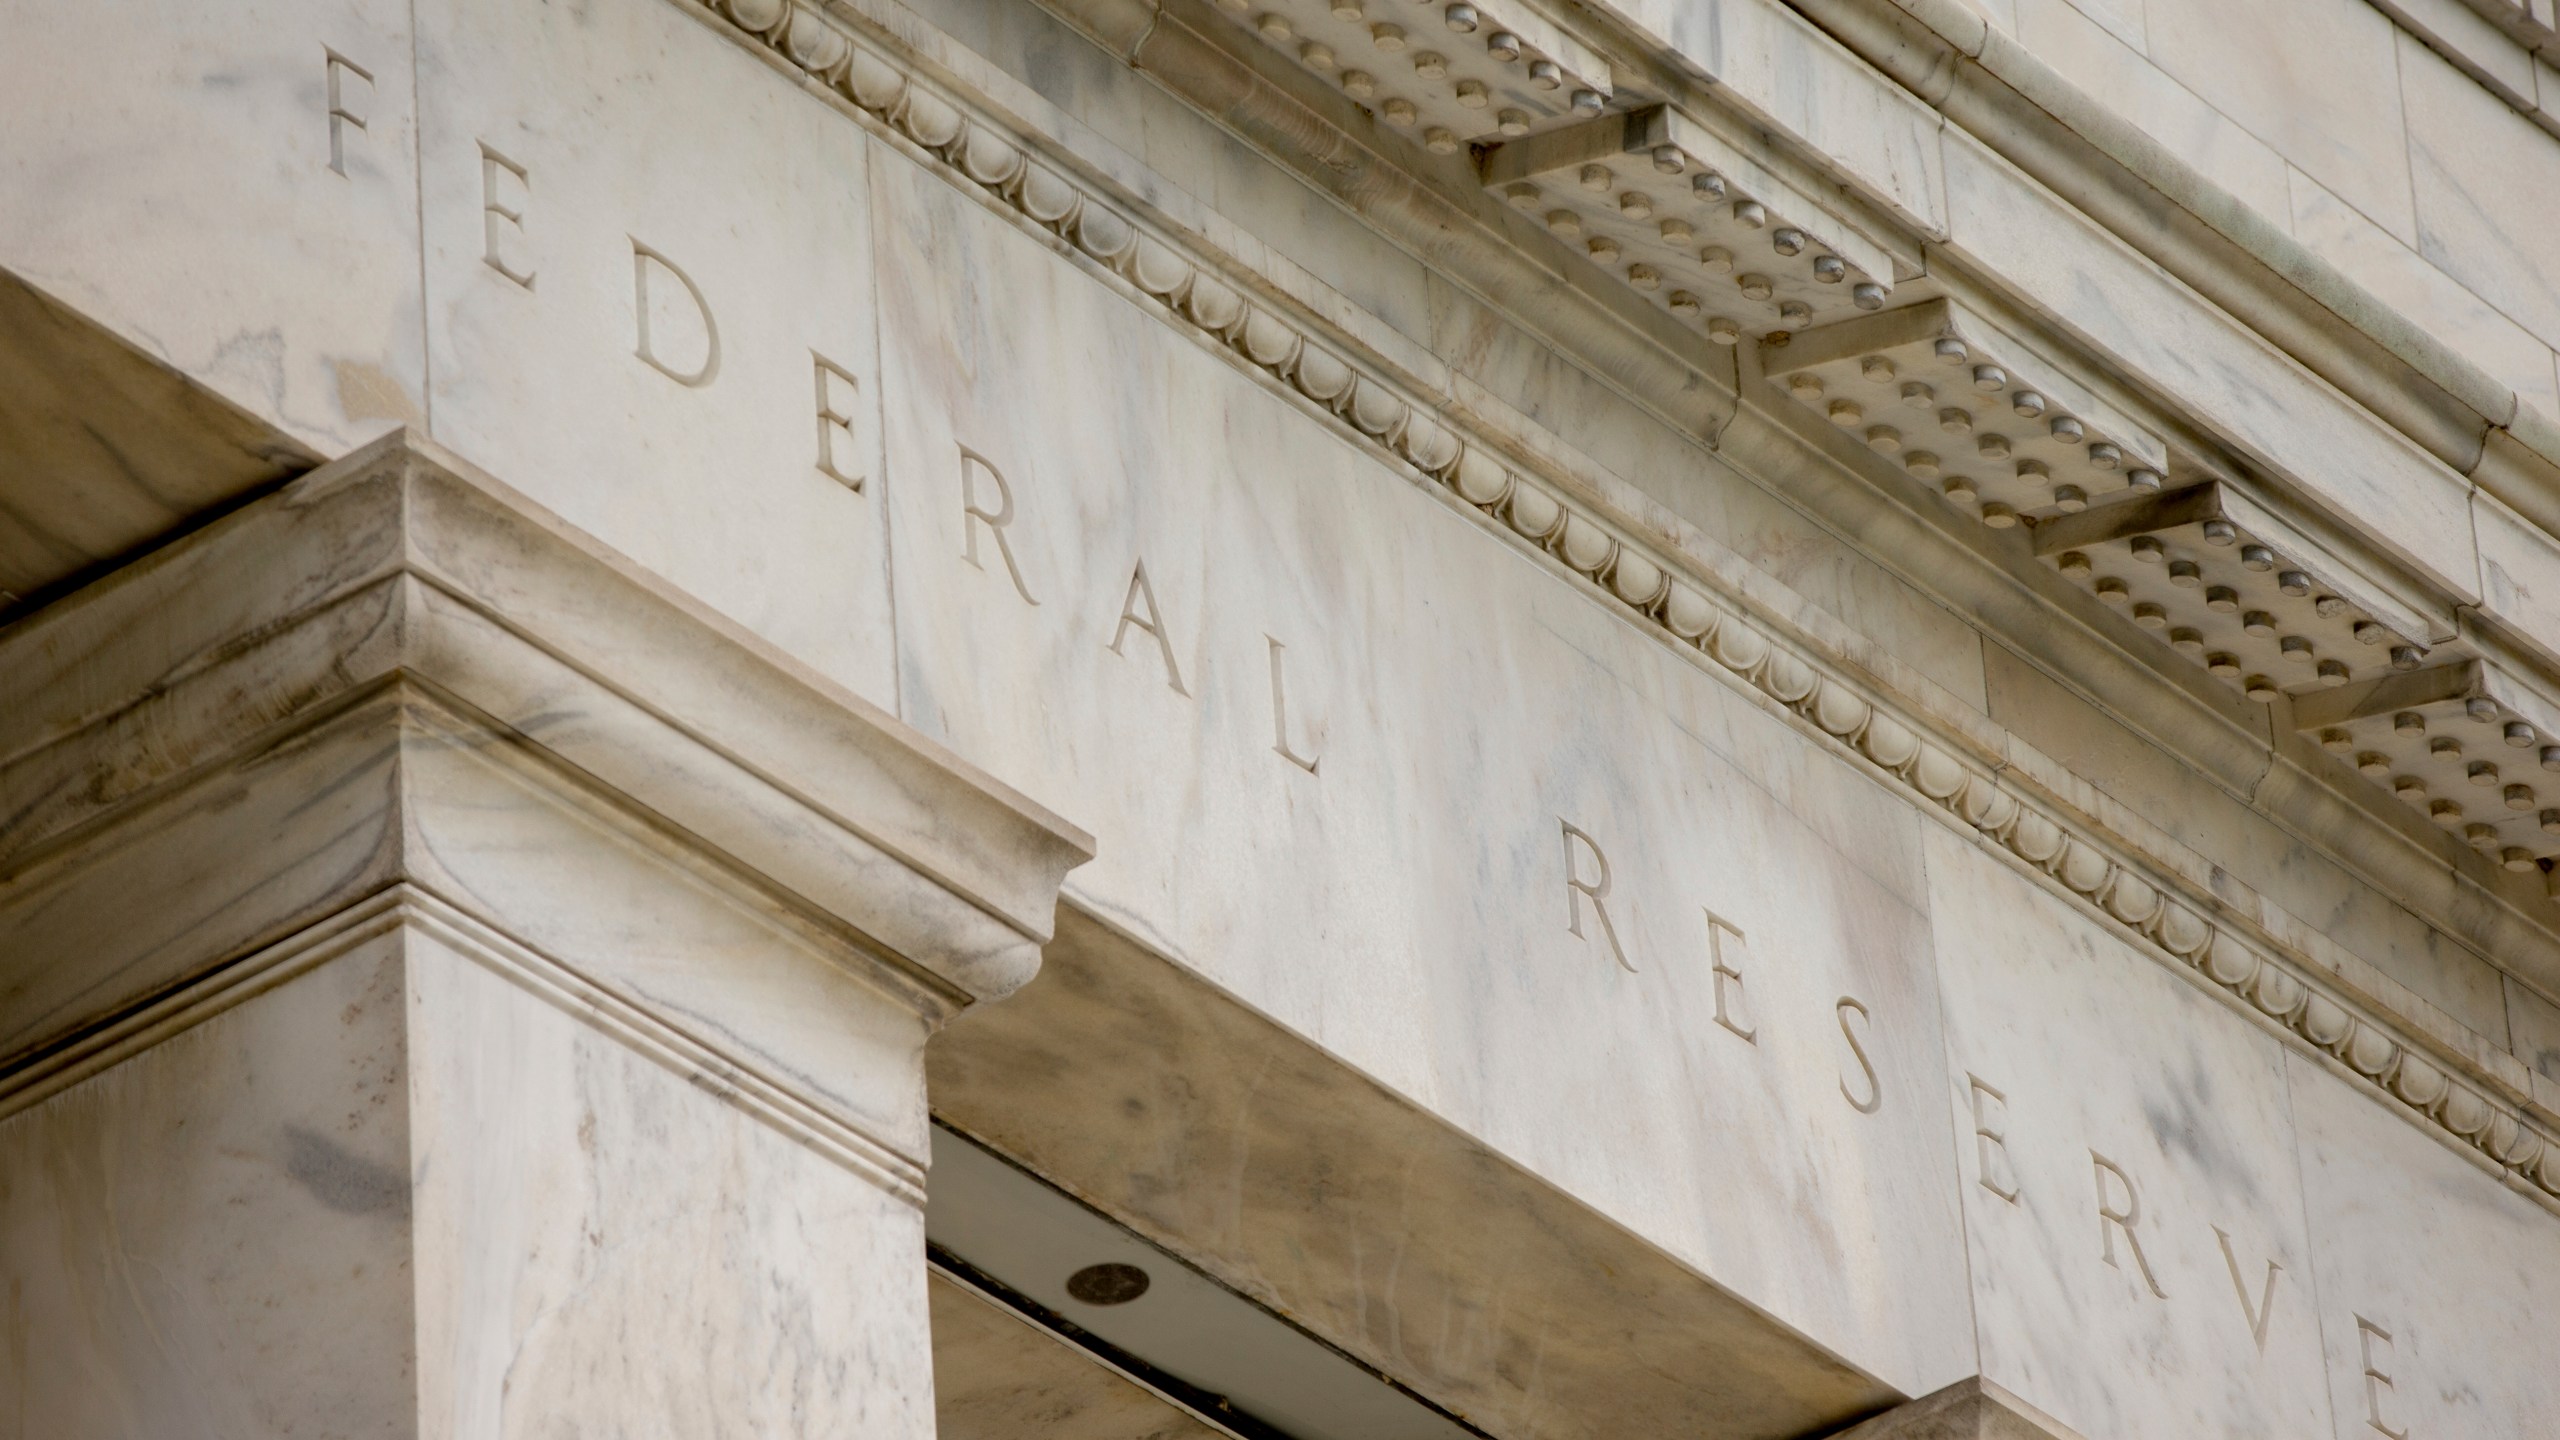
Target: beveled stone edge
[1665,593]
[1974,1408]
[407,906]
[230,639]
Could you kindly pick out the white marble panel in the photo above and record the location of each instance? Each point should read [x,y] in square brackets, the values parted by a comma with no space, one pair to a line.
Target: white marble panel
[2232,382]
[2332,108]
[211,1238]
[2430,1273]
[173,172]
[1404,902]
[606,1246]
[622,124]
[2444,306]
[1777,63]
[2091,1051]
[2519,572]
[2110,67]
[2487,183]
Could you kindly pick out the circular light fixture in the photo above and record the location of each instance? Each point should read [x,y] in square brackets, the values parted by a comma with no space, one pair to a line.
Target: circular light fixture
[1111,1283]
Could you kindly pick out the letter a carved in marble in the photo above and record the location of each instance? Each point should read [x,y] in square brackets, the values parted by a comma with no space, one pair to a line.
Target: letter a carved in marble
[1151,621]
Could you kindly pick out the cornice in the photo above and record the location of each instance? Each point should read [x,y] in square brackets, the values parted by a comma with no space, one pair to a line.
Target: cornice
[2172,904]
[2143,192]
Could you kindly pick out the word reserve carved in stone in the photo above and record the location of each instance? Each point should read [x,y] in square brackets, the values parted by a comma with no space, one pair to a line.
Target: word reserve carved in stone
[1448,73]
[1702,230]
[1969,412]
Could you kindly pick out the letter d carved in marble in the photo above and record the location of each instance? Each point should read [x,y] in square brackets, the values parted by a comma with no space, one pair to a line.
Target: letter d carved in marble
[643,261]
[974,514]
[1595,889]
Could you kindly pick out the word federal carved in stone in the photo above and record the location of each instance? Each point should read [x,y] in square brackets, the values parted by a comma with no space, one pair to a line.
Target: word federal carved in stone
[1284,347]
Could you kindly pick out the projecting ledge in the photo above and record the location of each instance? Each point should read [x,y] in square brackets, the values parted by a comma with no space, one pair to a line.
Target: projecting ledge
[1971,1409]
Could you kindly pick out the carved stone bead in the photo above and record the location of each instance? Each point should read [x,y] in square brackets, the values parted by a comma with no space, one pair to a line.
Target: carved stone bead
[1101,234]
[2182,931]
[1889,742]
[2229,962]
[1157,269]
[1689,614]
[1636,580]
[1986,806]
[1739,647]
[2035,839]
[1320,375]
[1937,774]
[1266,341]
[2082,868]
[1374,408]
[1534,512]
[760,16]
[1585,546]
[872,82]
[2324,1022]
[1839,710]
[2275,992]
[2464,1112]
[1045,196]
[1430,445]
[2132,899]
[2369,1051]
[813,44]
[1480,478]
[929,119]
[1786,677]
[1213,305]
[2419,1083]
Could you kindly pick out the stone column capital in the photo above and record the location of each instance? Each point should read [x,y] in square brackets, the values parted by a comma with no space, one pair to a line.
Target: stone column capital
[402,589]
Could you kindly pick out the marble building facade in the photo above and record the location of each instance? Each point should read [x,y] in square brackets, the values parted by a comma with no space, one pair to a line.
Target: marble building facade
[1299,718]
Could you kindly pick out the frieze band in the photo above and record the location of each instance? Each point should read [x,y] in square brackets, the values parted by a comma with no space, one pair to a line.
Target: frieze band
[2265,979]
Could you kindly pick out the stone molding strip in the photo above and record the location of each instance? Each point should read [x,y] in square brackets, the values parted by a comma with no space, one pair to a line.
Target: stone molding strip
[2265,979]
[407,906]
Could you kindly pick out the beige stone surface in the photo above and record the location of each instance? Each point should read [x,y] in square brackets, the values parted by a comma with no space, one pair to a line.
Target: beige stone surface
[2114,1086]
[634,126]
[2487,184]
[275,270]
[995,1377]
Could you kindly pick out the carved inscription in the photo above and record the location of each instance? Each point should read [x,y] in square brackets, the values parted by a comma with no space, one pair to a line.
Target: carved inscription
[1992,1170]
[1847,1006]
[2377,1380]
[646,262]
[1280,712]
[974,513]
[1726,950]
[350,93]
[838,394]
[505,190]
[2257,1315]
[1594,887]
[2116,1218]
[1138,610]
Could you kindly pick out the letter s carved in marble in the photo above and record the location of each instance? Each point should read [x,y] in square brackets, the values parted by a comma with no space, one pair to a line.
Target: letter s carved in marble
[1846,1006]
